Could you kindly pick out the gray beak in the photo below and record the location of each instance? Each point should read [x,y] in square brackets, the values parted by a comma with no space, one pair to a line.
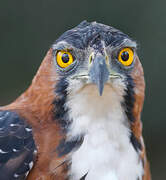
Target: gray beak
[99,72]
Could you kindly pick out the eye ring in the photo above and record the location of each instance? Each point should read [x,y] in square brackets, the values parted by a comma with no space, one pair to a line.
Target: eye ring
[64,58]
[126,56]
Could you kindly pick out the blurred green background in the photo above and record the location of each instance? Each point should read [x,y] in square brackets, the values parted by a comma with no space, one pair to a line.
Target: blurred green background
[28,28]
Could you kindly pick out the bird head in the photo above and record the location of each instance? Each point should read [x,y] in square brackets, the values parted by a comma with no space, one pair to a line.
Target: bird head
[96,55]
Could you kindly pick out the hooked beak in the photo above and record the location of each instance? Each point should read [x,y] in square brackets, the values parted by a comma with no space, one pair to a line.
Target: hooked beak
[99,73]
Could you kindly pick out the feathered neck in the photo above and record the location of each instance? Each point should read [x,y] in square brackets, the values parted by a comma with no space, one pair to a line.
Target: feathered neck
[38,98]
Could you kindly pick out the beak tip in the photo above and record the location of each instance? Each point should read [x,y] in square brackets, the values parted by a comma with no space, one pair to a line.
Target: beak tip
[101,90]
[101,93]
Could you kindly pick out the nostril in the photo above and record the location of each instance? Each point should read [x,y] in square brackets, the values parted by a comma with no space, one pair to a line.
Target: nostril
[91,57]
[107,60]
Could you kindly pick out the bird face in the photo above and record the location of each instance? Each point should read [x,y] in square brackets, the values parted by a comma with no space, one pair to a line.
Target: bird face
[94,55]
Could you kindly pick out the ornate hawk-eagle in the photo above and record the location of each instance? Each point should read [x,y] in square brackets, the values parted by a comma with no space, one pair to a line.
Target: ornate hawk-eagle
[80,118]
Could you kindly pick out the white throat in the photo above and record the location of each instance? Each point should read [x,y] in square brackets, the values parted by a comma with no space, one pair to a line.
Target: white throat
[106,152]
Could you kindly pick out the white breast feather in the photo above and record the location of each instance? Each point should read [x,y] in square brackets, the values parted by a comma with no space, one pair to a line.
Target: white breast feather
[106,152]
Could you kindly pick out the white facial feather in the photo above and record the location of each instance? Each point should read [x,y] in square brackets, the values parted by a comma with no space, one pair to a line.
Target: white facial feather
[106,152]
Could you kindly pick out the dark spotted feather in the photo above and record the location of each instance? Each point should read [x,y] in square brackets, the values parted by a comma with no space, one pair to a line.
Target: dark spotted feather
[17,147]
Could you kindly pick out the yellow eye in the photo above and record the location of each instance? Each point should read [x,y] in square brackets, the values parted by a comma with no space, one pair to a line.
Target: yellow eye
[126,56]
[64,58]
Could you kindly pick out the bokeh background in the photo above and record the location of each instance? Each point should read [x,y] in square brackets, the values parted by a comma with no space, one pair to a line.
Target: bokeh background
[28,28]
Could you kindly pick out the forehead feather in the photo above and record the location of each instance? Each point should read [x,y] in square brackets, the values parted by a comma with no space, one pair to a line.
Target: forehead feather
[86,33]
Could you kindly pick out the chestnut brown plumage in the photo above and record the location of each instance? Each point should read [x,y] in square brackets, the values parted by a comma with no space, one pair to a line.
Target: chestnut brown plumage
[36,107]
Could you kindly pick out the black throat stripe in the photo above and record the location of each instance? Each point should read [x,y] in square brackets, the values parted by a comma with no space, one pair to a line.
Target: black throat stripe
[129,99]
[128,105]
[61,116]
[61,112]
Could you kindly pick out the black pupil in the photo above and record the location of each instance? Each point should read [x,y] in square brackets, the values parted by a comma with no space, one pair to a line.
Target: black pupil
[125,56]
[65,58]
